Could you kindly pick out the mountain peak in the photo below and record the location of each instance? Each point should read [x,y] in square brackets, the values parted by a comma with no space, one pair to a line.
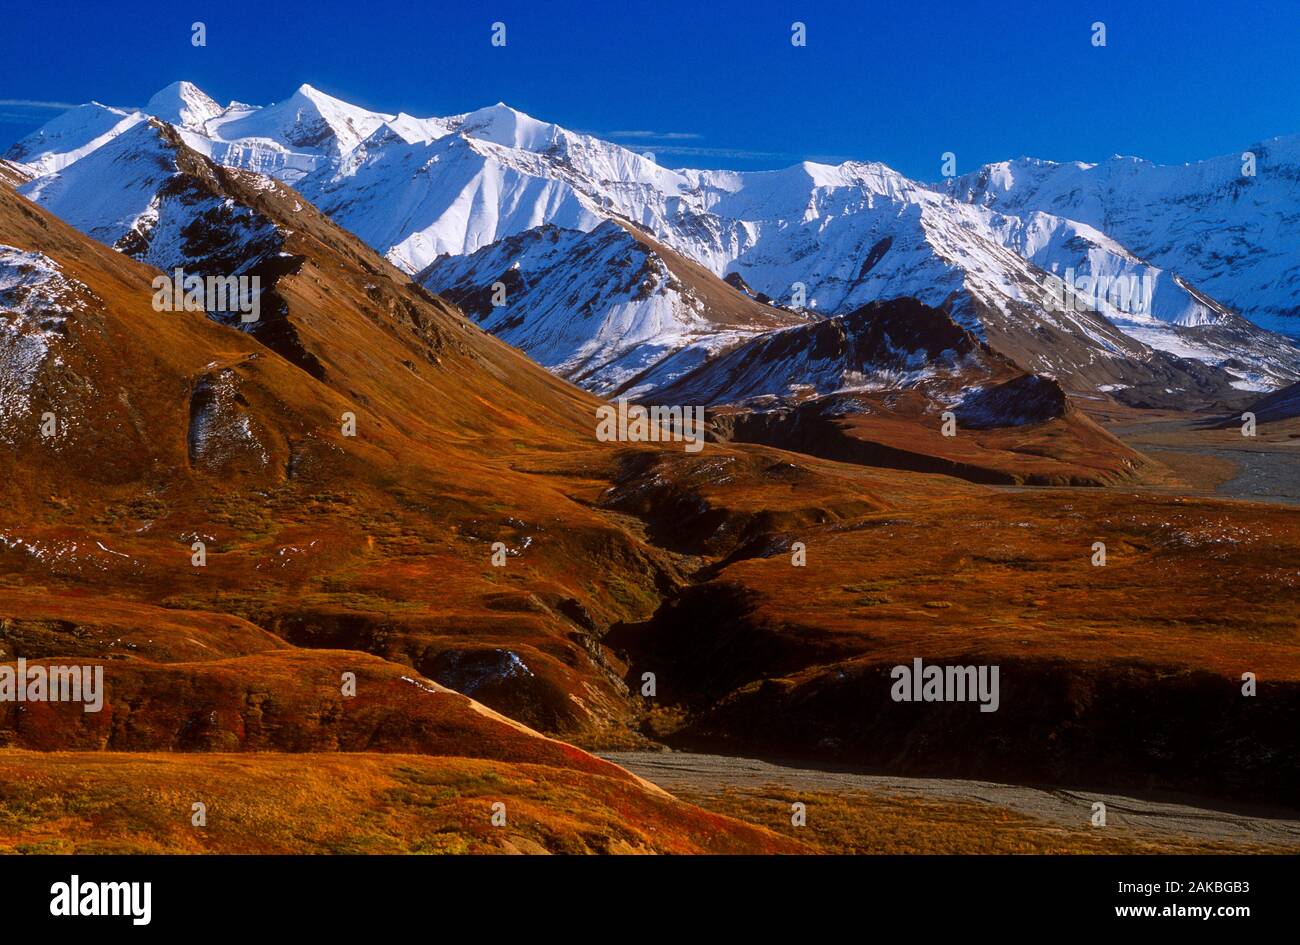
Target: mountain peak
[308,119]
[308,91]
[508,126]
[183,103]
[323,100]
[181,87]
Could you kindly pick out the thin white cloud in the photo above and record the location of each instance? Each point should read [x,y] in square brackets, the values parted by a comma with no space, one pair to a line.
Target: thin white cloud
[663,143]
[656,135]
[36,103]
[742,154]
[684,151]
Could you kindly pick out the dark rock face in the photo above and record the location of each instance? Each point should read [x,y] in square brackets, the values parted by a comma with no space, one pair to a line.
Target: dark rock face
[1279,405]
[1017,402]
[888,341]
[736,281]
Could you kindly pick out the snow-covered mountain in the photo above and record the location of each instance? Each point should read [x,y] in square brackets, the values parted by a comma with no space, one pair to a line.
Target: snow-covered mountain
[603,309]
[184,105]
[1230,233]
[830,238]
[823,239]
[71,136]
[288,139]
[453,195]
[133,194]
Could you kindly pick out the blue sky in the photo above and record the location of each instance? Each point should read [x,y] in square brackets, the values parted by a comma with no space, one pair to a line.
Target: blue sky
[715,83]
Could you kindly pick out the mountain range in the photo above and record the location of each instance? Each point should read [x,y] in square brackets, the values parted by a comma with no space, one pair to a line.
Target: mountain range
[613,266]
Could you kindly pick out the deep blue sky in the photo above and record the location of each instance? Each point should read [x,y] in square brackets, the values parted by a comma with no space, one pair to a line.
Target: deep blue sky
[899,82]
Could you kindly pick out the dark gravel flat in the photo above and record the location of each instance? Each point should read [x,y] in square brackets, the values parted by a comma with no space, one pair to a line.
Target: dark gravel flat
[1267,471]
